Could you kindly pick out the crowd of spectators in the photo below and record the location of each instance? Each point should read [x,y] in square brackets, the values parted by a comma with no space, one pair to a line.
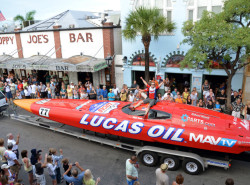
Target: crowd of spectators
[35,166]
[214,99]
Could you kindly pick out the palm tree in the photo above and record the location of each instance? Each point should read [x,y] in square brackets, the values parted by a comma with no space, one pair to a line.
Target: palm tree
[28,17]
[146,22]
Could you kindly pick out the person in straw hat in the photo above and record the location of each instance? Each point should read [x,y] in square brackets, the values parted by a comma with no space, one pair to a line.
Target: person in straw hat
[161,176]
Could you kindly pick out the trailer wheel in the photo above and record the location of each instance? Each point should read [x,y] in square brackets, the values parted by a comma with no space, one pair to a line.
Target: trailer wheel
[172,161]
[149,158]
[191,166]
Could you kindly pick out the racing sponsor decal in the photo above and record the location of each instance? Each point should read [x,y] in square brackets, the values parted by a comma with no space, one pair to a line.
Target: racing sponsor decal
[212,140]
[200,120]
[103,107]
[44,112]
[80,106]
[243,122]
[167,133]
[43,101]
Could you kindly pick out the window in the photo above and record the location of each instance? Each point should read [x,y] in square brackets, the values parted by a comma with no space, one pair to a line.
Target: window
[216,9]
[161,11]
[159,4]
[169,3]
[190,14]
[169,16]
[200,11]
[191,3]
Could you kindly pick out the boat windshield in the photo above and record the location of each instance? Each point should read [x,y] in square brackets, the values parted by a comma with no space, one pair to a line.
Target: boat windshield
[153,114]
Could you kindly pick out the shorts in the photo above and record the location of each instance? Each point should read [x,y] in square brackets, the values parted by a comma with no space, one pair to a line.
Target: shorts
[205,93]
[40,179]
[236,114]
[57,94]
[9,95]
[53,177]
[13,92]
[31,171]
[131,182]
[151,102]
[15,169]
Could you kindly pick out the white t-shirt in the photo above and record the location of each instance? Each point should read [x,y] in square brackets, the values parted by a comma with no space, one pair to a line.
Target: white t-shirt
[116,91]
[29,89]
[15,146]
[42,88]
[131,97]
[7,88]
[26,92]
[131,170]
[33,89]
[10,156]
[51,169]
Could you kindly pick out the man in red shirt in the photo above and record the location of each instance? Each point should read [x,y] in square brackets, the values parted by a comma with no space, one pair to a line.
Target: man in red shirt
[152,95]
[20,87]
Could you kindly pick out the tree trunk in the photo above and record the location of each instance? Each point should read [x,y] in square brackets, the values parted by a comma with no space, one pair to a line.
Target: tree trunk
[146,41]
[229,87]
[146,64]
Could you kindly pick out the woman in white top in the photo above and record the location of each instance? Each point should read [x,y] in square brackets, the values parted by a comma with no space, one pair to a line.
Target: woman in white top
[26,93]
[51,169]
[131,96]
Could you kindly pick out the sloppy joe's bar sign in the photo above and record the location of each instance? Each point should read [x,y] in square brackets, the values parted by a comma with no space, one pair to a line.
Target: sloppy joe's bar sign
[7,40]
[44,38]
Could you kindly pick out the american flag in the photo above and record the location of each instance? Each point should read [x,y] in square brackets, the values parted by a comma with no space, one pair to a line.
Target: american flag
[2,18]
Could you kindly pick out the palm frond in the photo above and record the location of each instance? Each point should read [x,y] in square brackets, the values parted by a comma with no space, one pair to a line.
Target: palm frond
[146,21]
[18,18]
[30,15]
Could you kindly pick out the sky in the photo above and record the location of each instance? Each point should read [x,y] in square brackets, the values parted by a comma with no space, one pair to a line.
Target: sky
[48,8]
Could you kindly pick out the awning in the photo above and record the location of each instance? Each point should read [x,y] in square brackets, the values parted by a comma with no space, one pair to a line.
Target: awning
[3,59]
[74,64]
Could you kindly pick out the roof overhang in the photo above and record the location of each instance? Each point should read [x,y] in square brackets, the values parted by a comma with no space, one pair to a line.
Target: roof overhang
[73,64]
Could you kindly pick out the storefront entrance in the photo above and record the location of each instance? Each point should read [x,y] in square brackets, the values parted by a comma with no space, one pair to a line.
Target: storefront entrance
[215,81]
[138,74]
[180,81]
[84,77]
[41,76]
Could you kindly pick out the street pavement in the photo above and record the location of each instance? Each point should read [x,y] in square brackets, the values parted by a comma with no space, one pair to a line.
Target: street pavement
[107,162]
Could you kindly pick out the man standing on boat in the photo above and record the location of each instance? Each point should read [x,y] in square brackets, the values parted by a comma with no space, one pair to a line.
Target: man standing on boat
[152,96]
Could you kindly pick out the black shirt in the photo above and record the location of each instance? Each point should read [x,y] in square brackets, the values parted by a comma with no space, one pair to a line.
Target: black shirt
[66,167]
[39,169]
[189,102]
[233,98]
[210,106]
[222,101]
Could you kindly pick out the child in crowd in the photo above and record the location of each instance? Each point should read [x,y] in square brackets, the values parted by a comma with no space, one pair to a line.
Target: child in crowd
[65,162]
[217,106]
[210,105]
[57,159]
[51,168]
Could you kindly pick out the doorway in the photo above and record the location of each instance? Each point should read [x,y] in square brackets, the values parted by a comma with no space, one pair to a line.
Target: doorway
[84,77]
[179,81]
[138,74]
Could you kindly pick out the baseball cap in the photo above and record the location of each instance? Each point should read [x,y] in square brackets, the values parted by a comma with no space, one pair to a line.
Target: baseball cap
[5,166]
[164,167]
